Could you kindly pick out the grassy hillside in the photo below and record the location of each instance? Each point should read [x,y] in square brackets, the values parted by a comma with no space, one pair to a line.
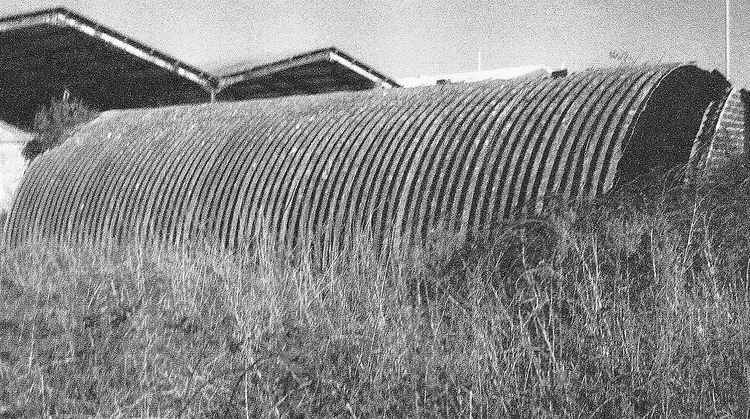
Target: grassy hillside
[635,305]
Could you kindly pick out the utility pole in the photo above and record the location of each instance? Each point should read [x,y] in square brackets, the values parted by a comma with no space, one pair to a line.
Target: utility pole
[726,36]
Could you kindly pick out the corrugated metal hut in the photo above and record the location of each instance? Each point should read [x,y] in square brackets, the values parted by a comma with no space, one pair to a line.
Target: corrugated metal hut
[326,165]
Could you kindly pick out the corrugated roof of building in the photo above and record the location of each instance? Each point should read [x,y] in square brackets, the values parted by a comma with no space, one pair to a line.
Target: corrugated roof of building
[469,155]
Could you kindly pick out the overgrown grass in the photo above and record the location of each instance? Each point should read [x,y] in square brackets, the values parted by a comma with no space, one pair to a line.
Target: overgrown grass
[3,219]
[636,305]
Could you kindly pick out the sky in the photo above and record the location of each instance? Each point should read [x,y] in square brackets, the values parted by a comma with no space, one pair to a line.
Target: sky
[411,38]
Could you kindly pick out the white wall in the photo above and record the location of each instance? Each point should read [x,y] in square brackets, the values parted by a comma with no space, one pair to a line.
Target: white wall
[508,73]
[12,163]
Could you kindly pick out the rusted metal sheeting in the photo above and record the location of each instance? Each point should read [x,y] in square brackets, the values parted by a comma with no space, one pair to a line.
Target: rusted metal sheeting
[468,154]
[723,138]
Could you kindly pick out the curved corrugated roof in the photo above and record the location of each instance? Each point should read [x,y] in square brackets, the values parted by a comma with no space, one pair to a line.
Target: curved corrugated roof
[471,154]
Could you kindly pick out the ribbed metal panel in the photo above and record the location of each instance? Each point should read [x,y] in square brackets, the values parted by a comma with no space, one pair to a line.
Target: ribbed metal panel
[466,154]
[723,137]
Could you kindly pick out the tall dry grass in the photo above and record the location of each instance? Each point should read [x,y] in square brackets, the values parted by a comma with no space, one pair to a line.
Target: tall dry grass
[635,305]
[3,220]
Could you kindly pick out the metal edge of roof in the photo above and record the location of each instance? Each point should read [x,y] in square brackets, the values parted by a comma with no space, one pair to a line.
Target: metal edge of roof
[271,68]
[63,17]
[331,54]
[347,60]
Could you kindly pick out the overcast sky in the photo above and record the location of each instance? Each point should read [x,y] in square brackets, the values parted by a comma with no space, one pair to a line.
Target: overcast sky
[410,38]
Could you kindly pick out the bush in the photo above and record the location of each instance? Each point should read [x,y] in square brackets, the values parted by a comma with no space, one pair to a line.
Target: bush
[54,123]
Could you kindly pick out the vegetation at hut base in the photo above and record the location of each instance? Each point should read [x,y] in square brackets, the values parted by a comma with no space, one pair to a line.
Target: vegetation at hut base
[54,123]
[634,305]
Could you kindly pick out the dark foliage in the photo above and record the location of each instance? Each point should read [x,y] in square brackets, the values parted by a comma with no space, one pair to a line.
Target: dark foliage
[54,123]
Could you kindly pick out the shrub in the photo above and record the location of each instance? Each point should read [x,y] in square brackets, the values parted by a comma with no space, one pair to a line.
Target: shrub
[54,123]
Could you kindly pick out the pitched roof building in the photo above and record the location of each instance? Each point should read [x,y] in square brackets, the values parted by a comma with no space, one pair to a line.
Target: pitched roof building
[44,53]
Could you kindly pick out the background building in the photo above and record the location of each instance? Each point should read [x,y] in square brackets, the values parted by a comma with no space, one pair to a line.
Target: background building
[44,53]
[509,73]
[12,163]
